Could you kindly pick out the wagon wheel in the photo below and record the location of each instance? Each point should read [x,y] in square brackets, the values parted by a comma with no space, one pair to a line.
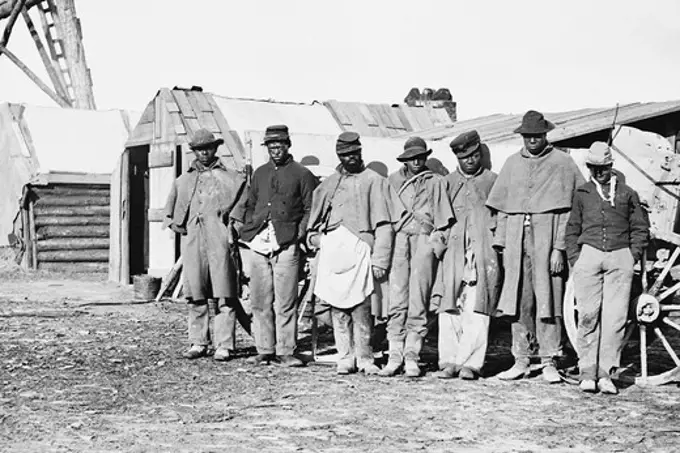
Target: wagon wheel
[653,326]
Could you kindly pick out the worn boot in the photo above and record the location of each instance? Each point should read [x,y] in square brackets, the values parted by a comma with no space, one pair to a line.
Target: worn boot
[414,344]
[395,361]
[550,374]
[519,370]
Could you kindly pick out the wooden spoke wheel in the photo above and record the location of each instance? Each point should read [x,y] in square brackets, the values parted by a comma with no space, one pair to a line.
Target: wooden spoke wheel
[652,336]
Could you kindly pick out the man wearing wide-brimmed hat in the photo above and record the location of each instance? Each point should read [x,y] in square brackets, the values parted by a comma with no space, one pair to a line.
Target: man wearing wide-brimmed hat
[533,196]
[203,204]
[418,245]
[606,234]
[470,276]
[276,215]
[353,211]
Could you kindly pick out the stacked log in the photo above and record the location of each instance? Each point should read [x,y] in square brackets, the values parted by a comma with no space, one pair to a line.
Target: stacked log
[71,227]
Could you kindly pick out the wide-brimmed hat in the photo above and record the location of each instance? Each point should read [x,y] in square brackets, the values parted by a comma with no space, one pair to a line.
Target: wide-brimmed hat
[599,154]
[203,138]
[465,144]
[348,142]
[276,133]
[534,122]
[414,147]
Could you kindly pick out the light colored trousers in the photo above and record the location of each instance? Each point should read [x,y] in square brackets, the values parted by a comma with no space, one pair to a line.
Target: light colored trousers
[602,282]
[352,328]
[273,292]
[463,336]
[411,278]
[224,324]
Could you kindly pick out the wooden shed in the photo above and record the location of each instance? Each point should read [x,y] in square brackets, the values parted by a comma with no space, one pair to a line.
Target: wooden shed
[156,153]
[55,167]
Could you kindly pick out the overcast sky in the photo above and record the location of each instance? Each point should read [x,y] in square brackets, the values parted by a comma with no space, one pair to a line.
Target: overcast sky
[496,56]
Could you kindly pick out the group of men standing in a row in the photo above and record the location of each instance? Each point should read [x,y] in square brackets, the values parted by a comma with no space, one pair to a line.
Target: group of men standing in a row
[473,243]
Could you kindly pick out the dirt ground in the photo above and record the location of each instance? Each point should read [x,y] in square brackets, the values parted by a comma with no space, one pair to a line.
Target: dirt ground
[84,369]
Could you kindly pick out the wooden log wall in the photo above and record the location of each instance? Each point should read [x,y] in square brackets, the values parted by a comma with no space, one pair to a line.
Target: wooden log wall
[71,227]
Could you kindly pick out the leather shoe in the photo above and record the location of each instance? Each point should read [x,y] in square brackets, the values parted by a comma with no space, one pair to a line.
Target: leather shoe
[468,374]
[607,386]
[519,370]
[550,374]
[449,372]
[289,361]
[195,351]
[588,385]
[222,355]
[261,359]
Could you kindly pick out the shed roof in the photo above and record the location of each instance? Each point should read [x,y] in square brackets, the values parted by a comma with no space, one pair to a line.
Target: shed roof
[174,115]
[500,127]
[385,120]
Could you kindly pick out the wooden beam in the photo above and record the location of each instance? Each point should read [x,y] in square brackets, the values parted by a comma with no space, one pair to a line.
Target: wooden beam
[31,75]
[56,77]
[18,7]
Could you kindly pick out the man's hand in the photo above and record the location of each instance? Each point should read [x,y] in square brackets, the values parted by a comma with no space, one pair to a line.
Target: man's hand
[178,229]
[314,240]
[231,234]
[379,273]
[556,262]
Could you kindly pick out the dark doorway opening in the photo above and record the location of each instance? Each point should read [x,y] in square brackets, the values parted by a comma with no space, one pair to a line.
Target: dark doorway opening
[139,205]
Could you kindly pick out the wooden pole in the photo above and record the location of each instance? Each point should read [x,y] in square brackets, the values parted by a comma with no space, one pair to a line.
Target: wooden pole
[34,241]
[18,6]
[31,75]
[58,83]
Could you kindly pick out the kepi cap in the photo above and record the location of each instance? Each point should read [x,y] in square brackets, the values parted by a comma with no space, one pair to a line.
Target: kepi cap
[348,142]
[465,144]
[276,133]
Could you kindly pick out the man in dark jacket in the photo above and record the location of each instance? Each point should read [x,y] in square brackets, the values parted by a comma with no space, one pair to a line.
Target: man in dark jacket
[606,233]
[276,214]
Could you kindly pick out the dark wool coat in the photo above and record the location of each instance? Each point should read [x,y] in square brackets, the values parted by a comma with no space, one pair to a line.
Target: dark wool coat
[543,187]
[202,200]
[468,199]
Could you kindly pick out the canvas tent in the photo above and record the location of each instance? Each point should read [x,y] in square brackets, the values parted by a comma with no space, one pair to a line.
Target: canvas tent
[55,165]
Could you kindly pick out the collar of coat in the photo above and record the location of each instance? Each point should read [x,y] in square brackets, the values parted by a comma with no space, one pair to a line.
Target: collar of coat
[289,159]
[340,169]
[466,176]
[197,166]
[404,179]
[525,153]
[590,187]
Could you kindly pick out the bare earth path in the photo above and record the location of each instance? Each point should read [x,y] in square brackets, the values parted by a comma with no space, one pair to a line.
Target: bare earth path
[82,369]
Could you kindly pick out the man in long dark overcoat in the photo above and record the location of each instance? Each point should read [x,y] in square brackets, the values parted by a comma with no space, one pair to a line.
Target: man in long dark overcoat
[533,195]
[202,206]
[470,274]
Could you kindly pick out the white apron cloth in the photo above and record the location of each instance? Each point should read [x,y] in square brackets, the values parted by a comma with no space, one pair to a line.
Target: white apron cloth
[344,278]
